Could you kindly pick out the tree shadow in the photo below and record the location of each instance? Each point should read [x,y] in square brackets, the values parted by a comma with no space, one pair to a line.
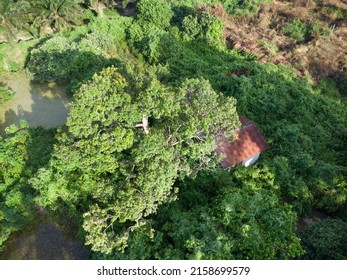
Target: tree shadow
[70,67]
[129,10]
[40,147]
[38,104]
[42,102]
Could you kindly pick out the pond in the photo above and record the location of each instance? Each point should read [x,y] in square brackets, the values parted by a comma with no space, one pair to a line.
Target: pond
[44,105]
[44,242]
[39,104]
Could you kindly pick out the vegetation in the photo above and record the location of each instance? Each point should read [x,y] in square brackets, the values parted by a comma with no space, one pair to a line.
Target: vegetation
[325,240]
[12,17]
[5,94]
[55,14]
[219,215]
[23,151]
[13,56]
[301,31]
[135,165]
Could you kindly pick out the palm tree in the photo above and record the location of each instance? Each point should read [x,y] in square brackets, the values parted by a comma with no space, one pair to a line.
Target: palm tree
[13,18]
[97,6]
[57,14]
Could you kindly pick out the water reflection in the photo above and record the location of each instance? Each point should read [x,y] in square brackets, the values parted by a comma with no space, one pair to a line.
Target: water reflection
[39,104]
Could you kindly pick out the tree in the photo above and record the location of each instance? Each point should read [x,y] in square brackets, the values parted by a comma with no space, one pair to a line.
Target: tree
[252,213]
[12,17]
[56,14]
[116,173]
[220,215]
[152,19]
[23,151]
[154,12]
[15,198]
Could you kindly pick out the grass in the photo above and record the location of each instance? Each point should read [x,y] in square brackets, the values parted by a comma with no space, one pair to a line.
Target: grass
[13,56]
[272,47]
[296,29]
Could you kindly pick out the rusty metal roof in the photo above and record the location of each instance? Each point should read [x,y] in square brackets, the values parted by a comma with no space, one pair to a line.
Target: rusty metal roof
[249,142]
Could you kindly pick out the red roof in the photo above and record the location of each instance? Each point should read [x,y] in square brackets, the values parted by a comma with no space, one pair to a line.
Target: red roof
[249,142]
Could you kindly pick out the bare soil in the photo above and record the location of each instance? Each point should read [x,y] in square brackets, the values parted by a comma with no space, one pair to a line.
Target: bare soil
[321,56]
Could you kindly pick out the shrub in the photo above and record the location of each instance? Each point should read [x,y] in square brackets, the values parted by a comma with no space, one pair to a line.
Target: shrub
[302,32]
[296,30]
[13,56]
[155,13]
[331,88]
[5,94]
[325,239]
[204,26]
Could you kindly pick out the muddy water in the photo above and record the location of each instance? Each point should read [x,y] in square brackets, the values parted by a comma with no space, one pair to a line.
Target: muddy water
[39,104]
[44,105]
[44,242]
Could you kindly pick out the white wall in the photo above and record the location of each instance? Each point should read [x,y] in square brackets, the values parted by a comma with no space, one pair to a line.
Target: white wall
[250,160]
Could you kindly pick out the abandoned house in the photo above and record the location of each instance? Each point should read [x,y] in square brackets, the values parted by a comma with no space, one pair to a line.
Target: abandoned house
[245,150]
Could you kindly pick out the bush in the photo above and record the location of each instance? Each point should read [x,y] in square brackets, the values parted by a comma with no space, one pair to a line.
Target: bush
[79,53]
[325,240]
[114,27]
[301,31]
[204,26]
[5,94]
[332,88]
[155,13]
[242,8]
[296,30]
[13,56]
[15,196]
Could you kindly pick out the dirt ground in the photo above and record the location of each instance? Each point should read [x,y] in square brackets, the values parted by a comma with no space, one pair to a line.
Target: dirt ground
[322,55]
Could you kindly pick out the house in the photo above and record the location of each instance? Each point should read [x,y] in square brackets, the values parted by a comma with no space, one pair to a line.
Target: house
[245,150]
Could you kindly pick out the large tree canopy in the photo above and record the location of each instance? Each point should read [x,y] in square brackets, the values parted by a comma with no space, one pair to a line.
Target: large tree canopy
[219,215]
[134,166]
[126,142]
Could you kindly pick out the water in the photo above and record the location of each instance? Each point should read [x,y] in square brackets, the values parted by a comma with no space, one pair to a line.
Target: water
[44,242]
[44,105]
[39,104]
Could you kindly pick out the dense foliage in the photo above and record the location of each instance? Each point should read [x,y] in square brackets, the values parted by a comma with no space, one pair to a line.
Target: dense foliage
[220,215]
[325,240]
[26,19]
[22,151]
[124,171]
[135,163]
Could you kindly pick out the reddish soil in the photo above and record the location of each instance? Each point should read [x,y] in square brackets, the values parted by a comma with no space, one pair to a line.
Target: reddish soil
[321,56]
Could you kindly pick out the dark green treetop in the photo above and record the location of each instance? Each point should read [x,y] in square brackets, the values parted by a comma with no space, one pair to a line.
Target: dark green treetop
[126,142]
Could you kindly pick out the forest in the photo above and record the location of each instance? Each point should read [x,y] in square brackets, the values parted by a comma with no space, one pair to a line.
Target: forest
[133,172]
